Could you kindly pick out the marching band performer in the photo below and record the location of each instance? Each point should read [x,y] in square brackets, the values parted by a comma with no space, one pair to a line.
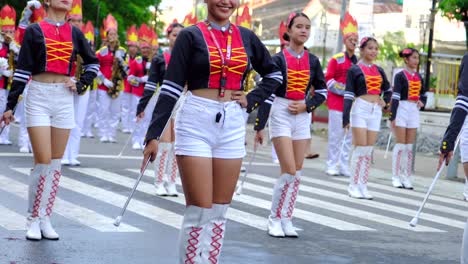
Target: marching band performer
[127,120]
[459,122]
[137,78]
[210,125]
[338,151]
[408,97]
[80,101]
[32,13]
[112,62]
[366,82]
[8,52]
[290,120]
[91,110]
[166,162]
[46,53]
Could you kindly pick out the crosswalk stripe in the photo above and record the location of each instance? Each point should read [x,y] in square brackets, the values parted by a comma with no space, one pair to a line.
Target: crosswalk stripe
[395,197]
[389,188]
[13,221]
[373,204]
[347,211]
[66,209]
[298,213]
[152,212]
[233,214]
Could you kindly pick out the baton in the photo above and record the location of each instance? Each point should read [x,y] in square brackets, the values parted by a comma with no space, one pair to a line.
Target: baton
[239,189]
[388,144]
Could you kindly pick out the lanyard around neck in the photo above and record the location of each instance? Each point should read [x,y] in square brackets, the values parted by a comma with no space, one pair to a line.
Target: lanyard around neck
[225,60]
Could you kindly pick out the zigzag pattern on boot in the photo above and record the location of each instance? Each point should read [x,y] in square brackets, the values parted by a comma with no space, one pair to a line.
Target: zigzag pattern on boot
[53,193]
[409,165]
[284,193]
[358,169]
[365,178]
[218,235]
[174,169]
[192,246]
[292,202]
[398,163]
[37,199]
[161,166]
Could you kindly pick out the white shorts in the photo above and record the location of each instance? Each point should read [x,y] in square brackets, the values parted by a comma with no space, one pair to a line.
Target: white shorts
[198,134]
[407,115]
[49,104]
[366,115]
[464,142]
[285,124]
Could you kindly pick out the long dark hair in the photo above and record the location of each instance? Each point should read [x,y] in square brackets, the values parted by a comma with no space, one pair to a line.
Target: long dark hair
[171,27]
[290,23]
[407,52]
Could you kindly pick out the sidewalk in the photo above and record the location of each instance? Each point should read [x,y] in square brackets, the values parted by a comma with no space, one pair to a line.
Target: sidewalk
[381,170]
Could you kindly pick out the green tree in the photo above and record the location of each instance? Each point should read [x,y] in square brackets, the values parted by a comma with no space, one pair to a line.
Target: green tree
[126,12]
[456,9]
[389,49]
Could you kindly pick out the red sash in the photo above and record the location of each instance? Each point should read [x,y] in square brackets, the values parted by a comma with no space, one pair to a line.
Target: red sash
[298,75]
[59,47]
[236,65]
[414,85]
[373,78]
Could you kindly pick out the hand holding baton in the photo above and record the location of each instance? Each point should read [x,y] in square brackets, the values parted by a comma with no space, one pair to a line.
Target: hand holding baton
[446,159]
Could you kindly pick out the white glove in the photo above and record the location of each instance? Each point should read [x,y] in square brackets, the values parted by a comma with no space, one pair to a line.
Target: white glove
[3,63]
[339,86]
[108,83]
[143,79]
[6,73]
[34,3]
[148,65]
[119,54]
[14,47]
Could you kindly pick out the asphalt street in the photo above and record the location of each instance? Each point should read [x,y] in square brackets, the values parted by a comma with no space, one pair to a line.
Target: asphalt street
[334,228]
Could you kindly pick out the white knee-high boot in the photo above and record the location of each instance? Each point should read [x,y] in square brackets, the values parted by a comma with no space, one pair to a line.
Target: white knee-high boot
[48,199]
[408,169]
[172,171]
[160,168]
[464,247]
[397,158]
[280,192]
[357,163]
[213,234]
[364,175]
[289,205]
[191,232]
[37,179]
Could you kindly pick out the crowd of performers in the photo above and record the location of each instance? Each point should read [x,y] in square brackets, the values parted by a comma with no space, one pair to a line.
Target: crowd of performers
[60,88]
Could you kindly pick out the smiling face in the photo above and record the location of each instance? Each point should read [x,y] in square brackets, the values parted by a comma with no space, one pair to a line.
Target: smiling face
[300,30]
[370,51]
[350,43]
[219,11]
[77,22]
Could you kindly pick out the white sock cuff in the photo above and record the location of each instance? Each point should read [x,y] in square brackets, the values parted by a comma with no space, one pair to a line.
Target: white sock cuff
[56,164]
[409,147]
[298,173]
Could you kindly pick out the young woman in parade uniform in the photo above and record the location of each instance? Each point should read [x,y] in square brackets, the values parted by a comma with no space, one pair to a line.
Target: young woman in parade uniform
[408,97]
[166,162]
[212,57]
[290,120]
[458,127]
[338,151]
[365,84]
[46,53]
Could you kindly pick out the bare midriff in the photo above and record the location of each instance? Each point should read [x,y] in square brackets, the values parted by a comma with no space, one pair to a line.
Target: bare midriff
[213,94]
[371,98]
[50,77]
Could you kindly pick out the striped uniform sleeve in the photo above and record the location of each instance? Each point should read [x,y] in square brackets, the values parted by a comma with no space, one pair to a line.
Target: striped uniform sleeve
[263,113]
[385,88]
[26,63]
[396,95]
[90,61]
[173,84]
[262,63]
[156,76]
[349,94]
[320,87]
[459,111]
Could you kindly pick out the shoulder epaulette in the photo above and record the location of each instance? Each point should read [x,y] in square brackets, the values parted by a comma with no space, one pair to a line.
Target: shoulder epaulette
[139,59]
[103,51]
[340,57]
